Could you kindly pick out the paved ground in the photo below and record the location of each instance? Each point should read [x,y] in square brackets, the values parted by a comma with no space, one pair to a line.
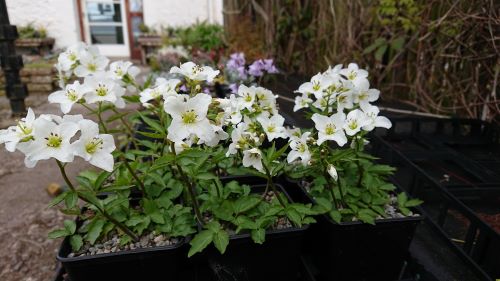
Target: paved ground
[25,251]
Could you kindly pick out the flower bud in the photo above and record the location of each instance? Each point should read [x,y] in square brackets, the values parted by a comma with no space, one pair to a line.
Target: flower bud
[332,172]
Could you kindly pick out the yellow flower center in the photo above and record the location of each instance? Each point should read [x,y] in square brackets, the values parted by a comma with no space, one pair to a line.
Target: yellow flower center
[316,86]
[330,129]
[353,124]
[71,94]
[119,72]
[22,126]
[271,128]
[101,90]
[54,140]
[363,95]
[72,56]
[92,67]
[302,148]
[248,98]
[92,146]
[352,75]
[189,117]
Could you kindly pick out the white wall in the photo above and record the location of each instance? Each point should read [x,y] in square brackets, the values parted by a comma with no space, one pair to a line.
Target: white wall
[59,17]
[181,12]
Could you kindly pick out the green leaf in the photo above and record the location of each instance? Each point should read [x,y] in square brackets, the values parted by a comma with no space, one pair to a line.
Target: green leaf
[259,235]
[94,231]
[58,233]
[398,43]
[164,201]
[246,203]
[366,216]
[413,203]
[85,182]
[221,240]
[402,198]
[71,199]
[206,176]
[76,242]
[103,176]
[379,54]
[90,197]
[200,242]
[153,124]
[294,216]
[151,135]
[374,45]
[336,216]
[58,199]
[70,226]
[324,203]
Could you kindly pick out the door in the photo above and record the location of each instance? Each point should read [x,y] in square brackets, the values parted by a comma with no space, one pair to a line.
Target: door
[135,19]
[105,26]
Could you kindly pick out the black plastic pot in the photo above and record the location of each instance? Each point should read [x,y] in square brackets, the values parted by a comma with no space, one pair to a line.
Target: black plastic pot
[167,262]
[360,251]
[277,259]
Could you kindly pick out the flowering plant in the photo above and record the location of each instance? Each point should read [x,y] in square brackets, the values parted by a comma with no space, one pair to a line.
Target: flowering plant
[164,180]
[345,182]
[237,72]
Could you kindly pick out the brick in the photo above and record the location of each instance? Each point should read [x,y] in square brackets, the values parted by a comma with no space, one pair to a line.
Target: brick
[41,79]
[40,87]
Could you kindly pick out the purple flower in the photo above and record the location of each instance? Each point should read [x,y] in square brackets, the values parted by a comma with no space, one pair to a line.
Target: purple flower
[256,68]
[234,88]
[269,66]
[236,60]
[242,72]
[206,90]
[183,88]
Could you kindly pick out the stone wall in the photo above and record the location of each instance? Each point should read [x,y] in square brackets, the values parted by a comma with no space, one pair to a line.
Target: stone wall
[39,80]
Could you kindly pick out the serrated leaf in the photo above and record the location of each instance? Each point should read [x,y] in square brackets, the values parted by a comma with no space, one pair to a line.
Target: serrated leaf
[402,198]
[200,242]
[294,216]
[153,124]
[258,235]
[413,202]
[76,242]
[245,203]
[206,176]
[70,226]
[58,199]
[71,199]
[221,240]
[335,215]
[58,233]
[324,203]
[95,229]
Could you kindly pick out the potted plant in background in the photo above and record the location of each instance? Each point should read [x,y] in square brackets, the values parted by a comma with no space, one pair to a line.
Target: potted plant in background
[368,225]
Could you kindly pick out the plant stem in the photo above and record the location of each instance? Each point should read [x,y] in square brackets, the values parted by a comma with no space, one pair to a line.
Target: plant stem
[189,186]
[273,187]
[118,224]
[134,175]
[99,111]
[127,126]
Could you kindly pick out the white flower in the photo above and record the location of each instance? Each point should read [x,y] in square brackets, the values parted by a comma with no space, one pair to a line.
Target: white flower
[330,128]
[299,149]
[266,100]
[167,87]
[322,103]
[345,100]
[374,120]
[247,96]
[70,57]
[120,68]
[90,64]
[354,73]
[301,102]
[195,72]
[51,140]
[69,96]
[220,134]
[253,158]
[233,110]
[22,132]
[150,94]
[104,89]
[334,72]
[94,147]
[332,172]
[273,126]
[294,133]
[354,121]
[318,84]
[189,116]
[364,95]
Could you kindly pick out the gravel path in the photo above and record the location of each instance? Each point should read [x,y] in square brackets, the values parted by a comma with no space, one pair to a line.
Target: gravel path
[25,251]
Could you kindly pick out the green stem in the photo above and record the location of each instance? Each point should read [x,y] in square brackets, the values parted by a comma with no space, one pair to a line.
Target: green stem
[101,122]
[273,187]
[189,186]
[127,127]
[134,175]
[118,224]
